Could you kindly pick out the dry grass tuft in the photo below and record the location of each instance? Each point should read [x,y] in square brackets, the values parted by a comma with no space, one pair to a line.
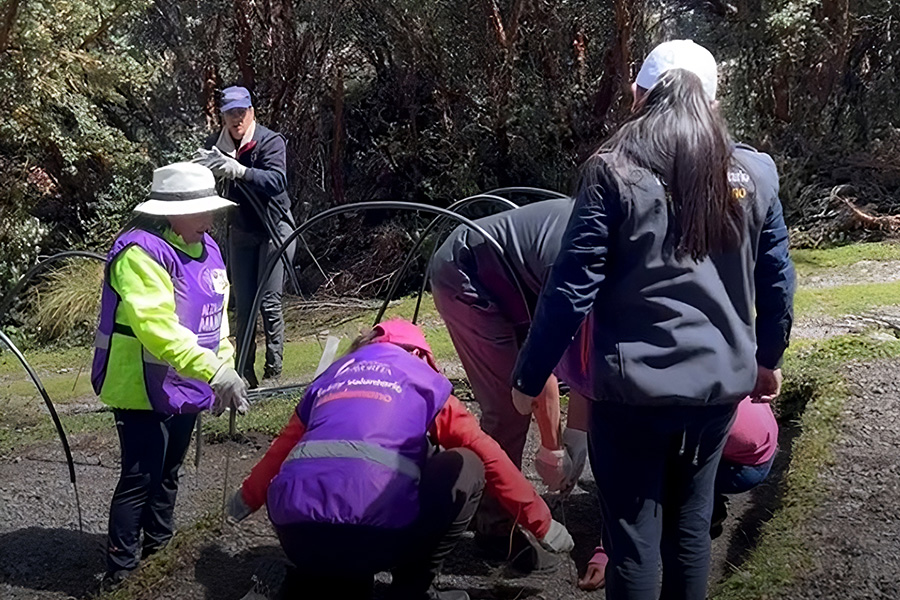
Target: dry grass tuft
[67,300]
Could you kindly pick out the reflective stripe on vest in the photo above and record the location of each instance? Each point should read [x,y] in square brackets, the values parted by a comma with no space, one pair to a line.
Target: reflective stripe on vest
[101,341]
[356,449]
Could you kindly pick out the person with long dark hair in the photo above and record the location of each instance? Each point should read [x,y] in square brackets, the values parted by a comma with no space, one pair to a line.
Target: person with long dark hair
[678,248]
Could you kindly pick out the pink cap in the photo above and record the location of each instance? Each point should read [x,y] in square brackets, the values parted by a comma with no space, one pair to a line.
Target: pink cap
[403,333]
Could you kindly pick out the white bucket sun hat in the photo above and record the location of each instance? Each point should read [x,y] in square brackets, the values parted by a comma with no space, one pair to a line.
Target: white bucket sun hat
[679,54]
[183,188]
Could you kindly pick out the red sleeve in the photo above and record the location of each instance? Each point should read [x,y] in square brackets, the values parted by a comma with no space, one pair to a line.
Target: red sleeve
[257,482]
[456,427]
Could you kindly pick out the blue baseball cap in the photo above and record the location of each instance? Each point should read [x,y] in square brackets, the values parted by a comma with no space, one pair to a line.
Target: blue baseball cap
[235,97]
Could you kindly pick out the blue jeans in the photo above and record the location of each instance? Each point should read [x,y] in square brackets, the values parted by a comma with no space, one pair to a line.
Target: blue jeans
[655,468]
[733,478]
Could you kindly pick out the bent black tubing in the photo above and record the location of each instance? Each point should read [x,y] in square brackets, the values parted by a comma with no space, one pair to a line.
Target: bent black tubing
[528,190]
[53,415]
[271,229]
[337,210]
[549,194]
[456,206]
[23,281]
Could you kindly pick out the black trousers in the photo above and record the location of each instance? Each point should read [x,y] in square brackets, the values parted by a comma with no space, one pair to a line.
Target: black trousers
[655,469]
[340,561]
[153,447]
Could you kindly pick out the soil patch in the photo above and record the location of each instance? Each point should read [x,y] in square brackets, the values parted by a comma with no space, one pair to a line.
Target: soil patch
[38,522]
[855,535]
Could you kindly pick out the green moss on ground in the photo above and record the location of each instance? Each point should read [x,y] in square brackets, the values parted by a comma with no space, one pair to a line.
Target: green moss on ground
[814,393]
[846,299]
[811,260]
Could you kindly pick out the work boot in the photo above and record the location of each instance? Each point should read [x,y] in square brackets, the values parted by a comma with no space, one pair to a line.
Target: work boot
[524,552]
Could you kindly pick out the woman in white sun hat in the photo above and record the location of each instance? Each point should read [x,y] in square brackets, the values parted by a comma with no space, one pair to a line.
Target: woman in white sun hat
[161,354]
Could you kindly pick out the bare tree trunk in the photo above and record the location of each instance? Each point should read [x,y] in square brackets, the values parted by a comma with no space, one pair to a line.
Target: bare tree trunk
[211,81]
[618,58]
[337,146]
[9,19]
[506,36]
[244,44]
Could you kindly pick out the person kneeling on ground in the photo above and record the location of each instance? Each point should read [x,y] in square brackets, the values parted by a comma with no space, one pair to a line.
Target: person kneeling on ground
[747,457]
[352,484]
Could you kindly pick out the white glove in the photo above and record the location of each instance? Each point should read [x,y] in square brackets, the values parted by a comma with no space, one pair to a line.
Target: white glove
[237,510]
[554,467]
[558,538]
[575,443]
[222,165]
[230,391]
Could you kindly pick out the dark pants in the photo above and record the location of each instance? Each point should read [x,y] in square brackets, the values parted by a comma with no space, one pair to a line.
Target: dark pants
[248,254]
[153,446]
[340,561]
[655,469]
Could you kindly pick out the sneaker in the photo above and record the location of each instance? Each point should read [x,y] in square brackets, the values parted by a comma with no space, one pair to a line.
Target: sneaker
[271,373]
[720,513]
[523,552]
[113,580]
[431,594]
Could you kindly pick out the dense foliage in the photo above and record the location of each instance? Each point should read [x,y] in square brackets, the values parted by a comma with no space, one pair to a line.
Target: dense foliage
[425,101]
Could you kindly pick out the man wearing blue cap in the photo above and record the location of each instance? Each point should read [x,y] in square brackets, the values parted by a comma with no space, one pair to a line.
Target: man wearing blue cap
[250,160]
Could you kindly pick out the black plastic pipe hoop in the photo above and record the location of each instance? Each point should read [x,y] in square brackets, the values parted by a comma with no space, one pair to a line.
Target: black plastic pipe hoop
[398,277]
[243,346]
[59,428]
[550,194]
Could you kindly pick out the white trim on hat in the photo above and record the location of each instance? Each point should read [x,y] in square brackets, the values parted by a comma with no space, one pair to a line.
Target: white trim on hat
[184,188]
[165,208]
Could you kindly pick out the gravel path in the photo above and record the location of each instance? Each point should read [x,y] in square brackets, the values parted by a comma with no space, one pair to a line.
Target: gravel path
[43,556]
[855,534]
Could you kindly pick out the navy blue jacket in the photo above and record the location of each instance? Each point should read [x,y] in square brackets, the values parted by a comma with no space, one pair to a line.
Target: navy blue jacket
[265,157]
[666,330]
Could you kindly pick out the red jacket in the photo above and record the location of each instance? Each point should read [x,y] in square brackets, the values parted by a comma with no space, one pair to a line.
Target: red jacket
[454,427]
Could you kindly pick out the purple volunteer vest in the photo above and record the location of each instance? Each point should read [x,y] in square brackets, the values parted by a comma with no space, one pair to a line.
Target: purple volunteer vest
[359,461]
[199,304]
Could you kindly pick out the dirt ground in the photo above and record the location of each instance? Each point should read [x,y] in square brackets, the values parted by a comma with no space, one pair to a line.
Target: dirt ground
[44,556]
[855,534]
